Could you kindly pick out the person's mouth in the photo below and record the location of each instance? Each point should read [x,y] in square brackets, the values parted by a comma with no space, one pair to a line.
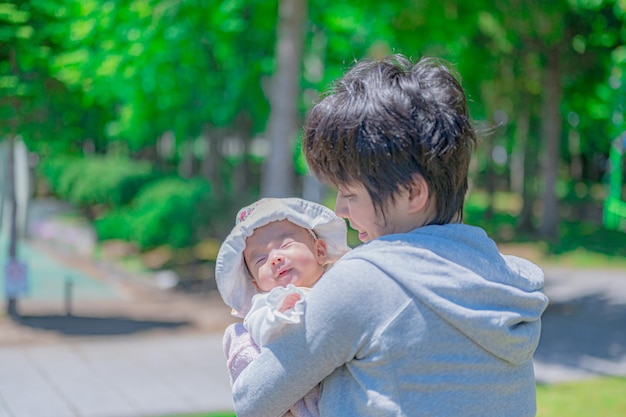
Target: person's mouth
[283,272]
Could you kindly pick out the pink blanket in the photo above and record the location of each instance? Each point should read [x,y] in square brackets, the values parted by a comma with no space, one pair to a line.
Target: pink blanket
[240,350]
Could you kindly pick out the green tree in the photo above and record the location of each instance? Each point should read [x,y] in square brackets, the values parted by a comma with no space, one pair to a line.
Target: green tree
[284,93]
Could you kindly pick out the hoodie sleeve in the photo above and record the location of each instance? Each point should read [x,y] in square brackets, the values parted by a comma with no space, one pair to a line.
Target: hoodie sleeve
[397,323]
[336,326]
[241,350]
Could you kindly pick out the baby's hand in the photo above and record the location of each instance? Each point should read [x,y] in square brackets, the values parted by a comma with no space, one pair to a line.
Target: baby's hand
[289,301]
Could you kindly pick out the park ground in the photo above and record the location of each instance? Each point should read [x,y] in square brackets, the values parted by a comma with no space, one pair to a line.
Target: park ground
[114,344]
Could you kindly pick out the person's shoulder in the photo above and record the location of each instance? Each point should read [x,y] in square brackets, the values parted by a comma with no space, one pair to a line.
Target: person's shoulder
[363,260]
[383,247]
[366,248]
[423,243]
[358,254]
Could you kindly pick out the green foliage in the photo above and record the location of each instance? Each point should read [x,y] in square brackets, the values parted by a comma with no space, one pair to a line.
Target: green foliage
[170,211]
[53,168]
[97,180]
[166,66]
[584,244]
[116,224]
[68,178]
[86,72]
[110,181]
[34,102]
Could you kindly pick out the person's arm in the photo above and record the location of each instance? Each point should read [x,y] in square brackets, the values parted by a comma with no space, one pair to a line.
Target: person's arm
[267,317]
[239,348]
[240,351]
[338,317]
[306,406]
[290,302]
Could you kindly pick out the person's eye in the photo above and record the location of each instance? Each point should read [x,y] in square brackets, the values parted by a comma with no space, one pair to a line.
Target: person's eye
[259,261]
[287,243]
[346,196]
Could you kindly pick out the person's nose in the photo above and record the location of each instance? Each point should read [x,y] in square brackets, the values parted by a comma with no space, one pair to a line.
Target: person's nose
[341,208]
[276,259]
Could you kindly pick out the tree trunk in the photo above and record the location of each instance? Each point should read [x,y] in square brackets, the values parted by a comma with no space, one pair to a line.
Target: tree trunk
[491,177]
[12,310]
[551,137]
[576,164]
[242,178]
[518,155]
[186,164]
[312,189]
[211,160]
[13,237]
[278,176]
[523,167]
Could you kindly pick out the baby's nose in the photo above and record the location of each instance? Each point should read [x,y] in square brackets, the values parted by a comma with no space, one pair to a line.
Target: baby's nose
[276,259]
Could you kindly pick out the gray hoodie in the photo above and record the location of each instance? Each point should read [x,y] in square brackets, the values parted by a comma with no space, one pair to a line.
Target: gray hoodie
[435,322]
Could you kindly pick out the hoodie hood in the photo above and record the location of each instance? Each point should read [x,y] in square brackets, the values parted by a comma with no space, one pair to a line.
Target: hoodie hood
[457,271]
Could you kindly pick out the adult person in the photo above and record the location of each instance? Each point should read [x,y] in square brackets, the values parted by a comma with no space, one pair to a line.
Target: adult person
[426,318]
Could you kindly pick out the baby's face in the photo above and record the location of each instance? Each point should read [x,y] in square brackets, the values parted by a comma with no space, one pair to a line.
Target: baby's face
[281,253]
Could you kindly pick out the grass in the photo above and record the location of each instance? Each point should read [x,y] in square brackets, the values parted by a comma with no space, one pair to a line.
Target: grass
[594,397]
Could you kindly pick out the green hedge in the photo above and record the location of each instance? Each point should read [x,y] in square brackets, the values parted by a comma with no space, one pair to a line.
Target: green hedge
[172,211]
[136,203]
[97,180]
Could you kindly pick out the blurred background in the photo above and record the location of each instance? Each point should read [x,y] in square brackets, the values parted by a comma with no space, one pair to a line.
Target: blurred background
[131,132]
[134,130]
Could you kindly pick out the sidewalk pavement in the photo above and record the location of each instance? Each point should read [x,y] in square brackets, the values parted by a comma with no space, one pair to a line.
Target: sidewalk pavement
[122,377]
[121,348]
[583,328]
[158,356]
[161,353]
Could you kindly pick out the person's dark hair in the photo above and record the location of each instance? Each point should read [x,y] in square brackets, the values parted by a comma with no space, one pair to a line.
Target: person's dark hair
[386,121]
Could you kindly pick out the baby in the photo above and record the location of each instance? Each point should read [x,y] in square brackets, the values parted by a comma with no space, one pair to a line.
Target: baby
[278,249]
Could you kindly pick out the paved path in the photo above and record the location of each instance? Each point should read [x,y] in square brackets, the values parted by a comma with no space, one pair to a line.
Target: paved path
[122,377]
[583,328]
[160,354]
[129,350]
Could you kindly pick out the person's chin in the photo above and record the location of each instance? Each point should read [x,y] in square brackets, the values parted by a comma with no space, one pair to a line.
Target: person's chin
[289,278]
[364,237]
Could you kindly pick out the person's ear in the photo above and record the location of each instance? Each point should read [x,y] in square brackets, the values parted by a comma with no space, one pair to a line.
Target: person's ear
[418,194]
[321,250]
[250,275]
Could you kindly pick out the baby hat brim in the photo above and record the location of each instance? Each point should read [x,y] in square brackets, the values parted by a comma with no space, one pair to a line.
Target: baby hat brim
[233,280]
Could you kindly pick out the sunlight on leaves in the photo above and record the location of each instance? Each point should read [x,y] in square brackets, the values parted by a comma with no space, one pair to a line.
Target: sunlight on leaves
[10,13]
